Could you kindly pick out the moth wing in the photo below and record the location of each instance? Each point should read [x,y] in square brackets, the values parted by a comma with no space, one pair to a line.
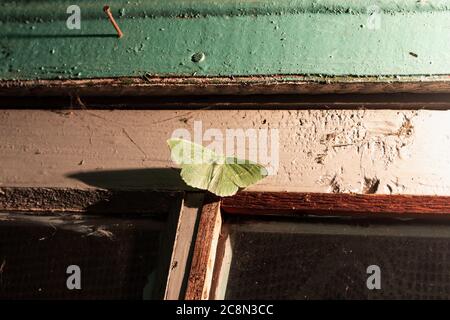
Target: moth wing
[202,168]
[197,175]
[244,172]
[221,184]
[186,152]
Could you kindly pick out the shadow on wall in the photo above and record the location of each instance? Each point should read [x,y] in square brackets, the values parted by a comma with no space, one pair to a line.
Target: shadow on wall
[154,178]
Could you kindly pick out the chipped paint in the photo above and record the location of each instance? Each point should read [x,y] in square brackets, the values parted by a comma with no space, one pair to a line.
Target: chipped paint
[238,38]
[361,151]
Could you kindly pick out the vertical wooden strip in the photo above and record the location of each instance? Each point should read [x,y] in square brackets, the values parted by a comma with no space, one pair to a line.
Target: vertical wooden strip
[200,276]
[183,246]
[222,265]
[165,251]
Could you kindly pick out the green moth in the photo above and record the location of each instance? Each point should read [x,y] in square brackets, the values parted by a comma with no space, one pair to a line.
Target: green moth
[204,169]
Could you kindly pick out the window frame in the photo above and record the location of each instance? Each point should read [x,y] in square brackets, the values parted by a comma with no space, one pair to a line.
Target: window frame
[192,240]
[206,259]
[61,202]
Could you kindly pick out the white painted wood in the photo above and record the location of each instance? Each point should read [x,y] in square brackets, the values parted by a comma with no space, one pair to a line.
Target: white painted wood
[407,152]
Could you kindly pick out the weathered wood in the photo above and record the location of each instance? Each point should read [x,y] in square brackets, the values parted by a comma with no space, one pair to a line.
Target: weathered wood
[280,203]
[237,38]
[200,276]
[43,200]
[166,249]
[178,86]
[222,264]
[345,101]
[183,246]
[127,149]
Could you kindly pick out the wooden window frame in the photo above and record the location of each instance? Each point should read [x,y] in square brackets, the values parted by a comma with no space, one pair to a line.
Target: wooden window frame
[200,278]
[193,235]
[173,206]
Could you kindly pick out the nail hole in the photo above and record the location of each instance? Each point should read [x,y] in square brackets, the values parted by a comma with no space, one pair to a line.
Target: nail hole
[198,57]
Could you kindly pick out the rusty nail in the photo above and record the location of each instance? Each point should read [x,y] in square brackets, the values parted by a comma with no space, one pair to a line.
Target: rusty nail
[113,21]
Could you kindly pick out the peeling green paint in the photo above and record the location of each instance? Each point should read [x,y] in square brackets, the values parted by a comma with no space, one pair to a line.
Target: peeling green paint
[266,38]
[45,10]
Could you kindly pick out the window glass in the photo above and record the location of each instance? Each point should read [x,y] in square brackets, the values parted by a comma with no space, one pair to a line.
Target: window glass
[117,257]
[318,258]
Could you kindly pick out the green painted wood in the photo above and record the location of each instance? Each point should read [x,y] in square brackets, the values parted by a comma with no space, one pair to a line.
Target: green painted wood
[238,38]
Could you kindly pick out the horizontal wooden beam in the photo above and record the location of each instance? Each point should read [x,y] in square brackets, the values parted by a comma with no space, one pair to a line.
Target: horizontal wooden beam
[230,85]
[43,200]
[281,203]
[234,38]
[127,149]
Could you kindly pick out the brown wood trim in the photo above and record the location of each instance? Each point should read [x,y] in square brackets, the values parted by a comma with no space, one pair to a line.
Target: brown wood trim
[218,263]
[281,203]
[167,240]
[275,84]
[200,275]
[344,101]
[45,200]
[183,246]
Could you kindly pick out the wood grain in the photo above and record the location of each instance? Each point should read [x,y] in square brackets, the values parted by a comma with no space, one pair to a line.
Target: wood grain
[40,200]
[183,246]
[200,276]
[281,203]
[344,101]
[167,240]
[275,84]
[127,149]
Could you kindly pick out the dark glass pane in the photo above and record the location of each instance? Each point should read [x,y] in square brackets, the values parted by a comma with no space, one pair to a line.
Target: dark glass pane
[312,259]
[118,257]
